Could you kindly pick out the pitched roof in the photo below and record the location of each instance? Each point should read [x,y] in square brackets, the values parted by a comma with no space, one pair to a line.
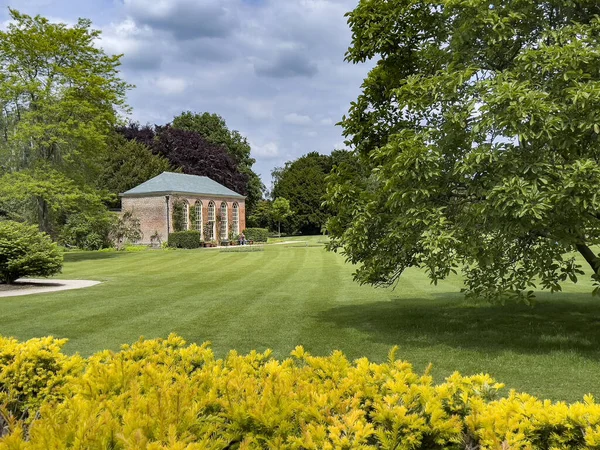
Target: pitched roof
[179,183]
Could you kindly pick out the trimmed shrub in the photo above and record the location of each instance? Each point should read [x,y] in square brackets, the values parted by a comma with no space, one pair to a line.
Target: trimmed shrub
[257,234]
[160,394]
[185,239]
[24,251]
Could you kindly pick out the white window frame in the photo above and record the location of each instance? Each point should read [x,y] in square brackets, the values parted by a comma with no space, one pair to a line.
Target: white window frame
[186,215]
[236,219]
[198,218]
[224,221]
[212,219]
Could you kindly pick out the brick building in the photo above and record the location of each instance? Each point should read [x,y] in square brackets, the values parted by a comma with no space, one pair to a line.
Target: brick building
[209,206]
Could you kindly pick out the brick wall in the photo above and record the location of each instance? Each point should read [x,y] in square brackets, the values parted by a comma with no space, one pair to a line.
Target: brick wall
[151,211]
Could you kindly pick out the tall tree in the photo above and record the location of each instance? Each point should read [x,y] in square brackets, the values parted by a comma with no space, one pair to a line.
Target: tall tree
[127,164]
[190,152]
[303,183]
[214,129]
[480,125]
[59,96]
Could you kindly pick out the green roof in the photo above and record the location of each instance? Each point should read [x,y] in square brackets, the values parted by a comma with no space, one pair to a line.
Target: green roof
[179,183]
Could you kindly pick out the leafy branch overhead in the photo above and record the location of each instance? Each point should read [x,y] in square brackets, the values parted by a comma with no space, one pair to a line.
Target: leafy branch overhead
[479,127]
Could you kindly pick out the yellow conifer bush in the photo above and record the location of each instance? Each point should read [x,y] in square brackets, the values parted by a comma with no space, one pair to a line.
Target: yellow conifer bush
[164,394]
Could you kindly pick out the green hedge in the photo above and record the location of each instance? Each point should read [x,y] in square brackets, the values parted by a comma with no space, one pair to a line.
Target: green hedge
[256,234]
[185,239]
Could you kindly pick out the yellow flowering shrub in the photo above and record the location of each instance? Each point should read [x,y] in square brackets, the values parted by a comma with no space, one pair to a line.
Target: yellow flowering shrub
[164,394]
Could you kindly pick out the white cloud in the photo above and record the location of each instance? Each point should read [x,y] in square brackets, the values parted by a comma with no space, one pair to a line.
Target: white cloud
[328,121]
[297,119]
[170,85]
[270,150]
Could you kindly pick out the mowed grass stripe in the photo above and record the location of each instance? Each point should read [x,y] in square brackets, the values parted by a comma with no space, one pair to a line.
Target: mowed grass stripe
[235,322]
[191,294]
[254,326]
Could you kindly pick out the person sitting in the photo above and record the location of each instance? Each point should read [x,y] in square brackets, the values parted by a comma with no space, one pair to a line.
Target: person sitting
[242,239]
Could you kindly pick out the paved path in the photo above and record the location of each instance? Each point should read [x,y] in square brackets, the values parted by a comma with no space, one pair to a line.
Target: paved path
[41,286]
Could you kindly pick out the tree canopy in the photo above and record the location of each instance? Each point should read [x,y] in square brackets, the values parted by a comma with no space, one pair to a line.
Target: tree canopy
[303,183]
[127,164]
[190,152]
[59,93]
[60,97]
[214,129]
[479,128]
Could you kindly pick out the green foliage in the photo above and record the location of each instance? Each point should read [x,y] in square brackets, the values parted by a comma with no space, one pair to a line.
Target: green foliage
[24,251]
[125,229]
[303,183]
[185,239]
[31,195]
[127,164]
[214,129]
[60,93]
[478,131]
[165,394]
[88,231]
[281,211]
[262,217]
[179,215]
[256,234]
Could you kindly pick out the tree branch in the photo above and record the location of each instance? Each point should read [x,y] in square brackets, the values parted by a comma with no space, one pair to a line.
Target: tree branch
[590,257]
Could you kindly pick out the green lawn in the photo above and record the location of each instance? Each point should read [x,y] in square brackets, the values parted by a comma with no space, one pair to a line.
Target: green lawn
[288,295]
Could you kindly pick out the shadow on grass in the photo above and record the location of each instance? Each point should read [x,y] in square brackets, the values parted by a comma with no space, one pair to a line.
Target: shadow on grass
[90,256]
[568,323]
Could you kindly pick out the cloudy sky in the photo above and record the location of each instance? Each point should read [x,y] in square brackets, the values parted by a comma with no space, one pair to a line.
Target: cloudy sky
[273,69]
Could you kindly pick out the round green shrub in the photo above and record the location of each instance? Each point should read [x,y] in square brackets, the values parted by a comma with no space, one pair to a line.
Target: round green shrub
[24,251]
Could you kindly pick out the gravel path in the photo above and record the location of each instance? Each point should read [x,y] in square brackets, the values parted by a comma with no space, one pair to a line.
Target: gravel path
[27,286]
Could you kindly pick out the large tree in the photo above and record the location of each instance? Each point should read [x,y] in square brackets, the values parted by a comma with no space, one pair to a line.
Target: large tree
[60,96]
[214,129]
[190,152]
[480,124]
[303,183]
[128,163]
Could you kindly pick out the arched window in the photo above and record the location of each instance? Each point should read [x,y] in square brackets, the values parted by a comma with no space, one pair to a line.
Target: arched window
[236,219]
[186,215]
[198,216]
[211,220]
[224,221]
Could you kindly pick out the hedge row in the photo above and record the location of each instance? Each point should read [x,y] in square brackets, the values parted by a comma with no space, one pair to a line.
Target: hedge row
[185,239]
[160,394]
[256,234]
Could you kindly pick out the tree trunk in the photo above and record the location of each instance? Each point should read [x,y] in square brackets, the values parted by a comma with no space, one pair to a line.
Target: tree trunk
[590,257]
[43,215]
